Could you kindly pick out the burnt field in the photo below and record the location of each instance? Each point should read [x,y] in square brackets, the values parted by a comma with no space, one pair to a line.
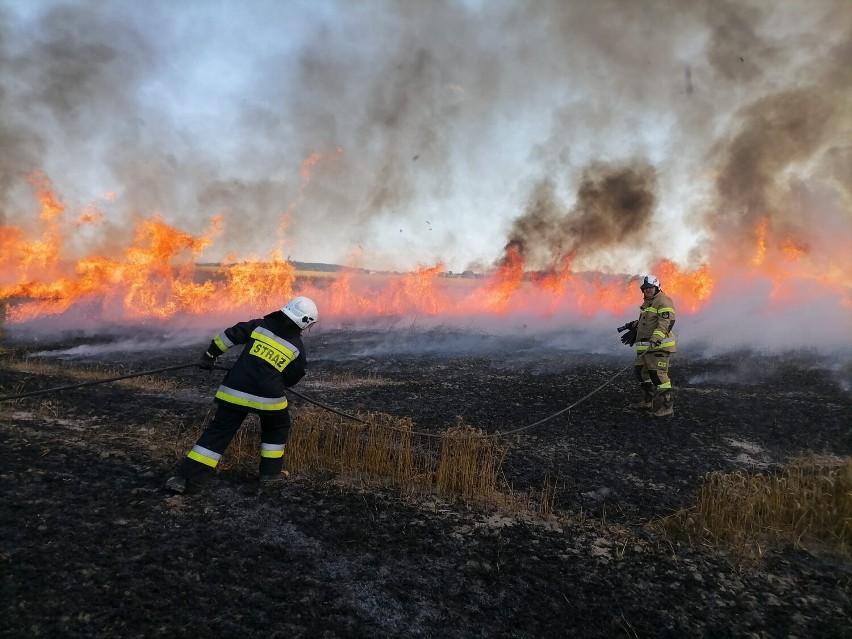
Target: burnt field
[90,546]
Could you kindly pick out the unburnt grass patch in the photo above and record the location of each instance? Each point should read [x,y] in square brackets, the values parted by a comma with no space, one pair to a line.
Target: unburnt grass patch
[459,462]
[808,504]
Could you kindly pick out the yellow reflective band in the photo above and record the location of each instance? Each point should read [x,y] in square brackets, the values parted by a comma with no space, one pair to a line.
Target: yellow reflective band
[658,333]
[665,309]
[664,386]
[270,355]
[271,351]
[251,403]
[668,343]
[273,451]
[218,341]
[207,461]
[282,345]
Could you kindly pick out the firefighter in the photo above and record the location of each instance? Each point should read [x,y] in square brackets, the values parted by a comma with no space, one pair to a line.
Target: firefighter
[655,343]
[273,358]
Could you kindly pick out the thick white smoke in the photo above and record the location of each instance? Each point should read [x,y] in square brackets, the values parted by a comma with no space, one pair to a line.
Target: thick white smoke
[434,121]
[396,134]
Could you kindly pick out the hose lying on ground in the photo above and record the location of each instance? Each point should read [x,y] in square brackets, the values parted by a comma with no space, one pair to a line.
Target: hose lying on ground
[95,381]
[162,370]
[296,393]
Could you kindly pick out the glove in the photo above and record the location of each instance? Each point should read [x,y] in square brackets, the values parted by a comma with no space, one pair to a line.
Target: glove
[629,338]
[206,362]
[654,342]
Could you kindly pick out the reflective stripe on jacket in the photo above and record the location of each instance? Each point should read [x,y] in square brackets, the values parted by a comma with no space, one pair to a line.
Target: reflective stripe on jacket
[273,359]
[656,318]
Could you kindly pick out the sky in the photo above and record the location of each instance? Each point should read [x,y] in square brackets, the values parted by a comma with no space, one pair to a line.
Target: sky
[391,135]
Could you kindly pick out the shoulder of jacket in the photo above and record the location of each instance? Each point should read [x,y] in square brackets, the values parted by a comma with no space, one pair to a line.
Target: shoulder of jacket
[245,323]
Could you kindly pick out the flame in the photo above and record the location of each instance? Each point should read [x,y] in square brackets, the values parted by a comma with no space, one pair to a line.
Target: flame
[690,288]
[760,253]
[261,285]
[496,294]
[90,215]
[307,166]
[156,276]
[51,208]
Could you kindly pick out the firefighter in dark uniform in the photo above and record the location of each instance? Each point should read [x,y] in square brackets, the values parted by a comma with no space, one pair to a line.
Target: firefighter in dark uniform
[273,358]
[655,342]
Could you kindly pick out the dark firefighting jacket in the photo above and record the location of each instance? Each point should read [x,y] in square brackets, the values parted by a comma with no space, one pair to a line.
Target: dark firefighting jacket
[656,319]
[273,358]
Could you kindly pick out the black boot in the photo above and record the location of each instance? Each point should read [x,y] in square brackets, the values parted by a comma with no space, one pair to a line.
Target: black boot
[273,472]
[647,402]
[666,405]
[176,485]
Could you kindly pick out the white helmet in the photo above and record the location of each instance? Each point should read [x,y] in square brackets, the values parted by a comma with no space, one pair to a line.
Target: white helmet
[650,280]
[302,311]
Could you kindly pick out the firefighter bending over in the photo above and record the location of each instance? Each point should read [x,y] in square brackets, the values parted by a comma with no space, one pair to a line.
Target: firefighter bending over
[655,343]
[273,358]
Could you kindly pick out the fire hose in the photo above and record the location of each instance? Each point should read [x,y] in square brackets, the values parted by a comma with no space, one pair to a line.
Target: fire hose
[163,370]
[94,382]
[300,395]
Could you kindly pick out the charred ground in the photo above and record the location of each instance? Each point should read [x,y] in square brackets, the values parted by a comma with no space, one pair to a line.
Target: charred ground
[90,546]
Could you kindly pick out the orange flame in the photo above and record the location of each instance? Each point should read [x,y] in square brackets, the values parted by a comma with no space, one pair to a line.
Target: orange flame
[156,277]
[498,290]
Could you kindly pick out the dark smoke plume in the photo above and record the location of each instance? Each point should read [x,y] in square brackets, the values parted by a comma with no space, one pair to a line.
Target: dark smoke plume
[614,205]
[760,164]
[439,110]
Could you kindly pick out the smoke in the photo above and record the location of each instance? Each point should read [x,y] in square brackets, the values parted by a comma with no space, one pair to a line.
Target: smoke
[603,135]
[435,125]
[757,180]
[785,162]
[614,205]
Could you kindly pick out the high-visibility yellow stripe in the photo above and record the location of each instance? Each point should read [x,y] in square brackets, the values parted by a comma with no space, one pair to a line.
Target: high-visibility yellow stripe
[273,350]
[278,344]
[252,403]
[664,309]
[641,347]
[272,451]
[207,461]
[664,386]
[271,355]
[222,346]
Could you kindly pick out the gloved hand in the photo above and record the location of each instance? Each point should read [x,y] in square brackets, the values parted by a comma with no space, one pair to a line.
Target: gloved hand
[629,338]
[206,362]
[628,326]
[654,342]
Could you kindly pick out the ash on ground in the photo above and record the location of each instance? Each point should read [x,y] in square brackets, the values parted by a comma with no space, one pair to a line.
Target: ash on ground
[91,546]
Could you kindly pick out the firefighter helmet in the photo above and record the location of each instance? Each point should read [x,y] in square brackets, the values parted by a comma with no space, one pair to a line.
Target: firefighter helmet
[650,280]
[302,311]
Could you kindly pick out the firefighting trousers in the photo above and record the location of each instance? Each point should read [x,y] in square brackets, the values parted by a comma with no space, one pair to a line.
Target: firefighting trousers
[653,367]
[202,460]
